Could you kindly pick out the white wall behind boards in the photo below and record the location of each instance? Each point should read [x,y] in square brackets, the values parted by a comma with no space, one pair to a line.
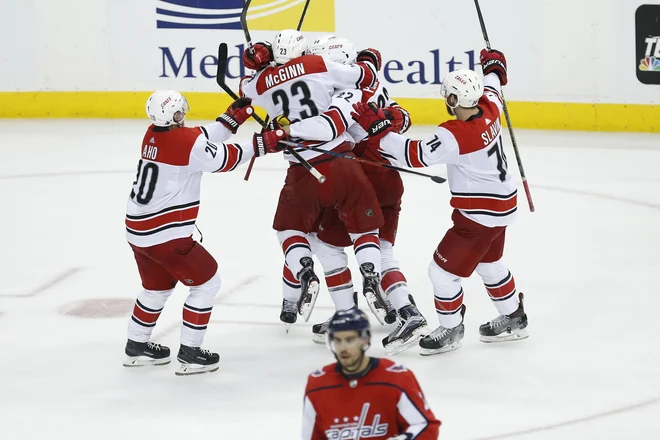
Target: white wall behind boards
[558,50]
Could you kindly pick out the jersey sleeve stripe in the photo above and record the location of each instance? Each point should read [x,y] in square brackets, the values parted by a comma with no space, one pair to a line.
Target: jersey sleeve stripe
[344,122]
[309,419]
[239,155]
[417,421]
[206,133]
[493,91]
[414,154]
[368,76]
[224,159]
[331,123]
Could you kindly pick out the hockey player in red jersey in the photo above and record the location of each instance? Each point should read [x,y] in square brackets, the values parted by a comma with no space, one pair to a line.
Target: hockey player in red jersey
[332,237]
[160,217]
[483,197]
[300,86]
[363,397]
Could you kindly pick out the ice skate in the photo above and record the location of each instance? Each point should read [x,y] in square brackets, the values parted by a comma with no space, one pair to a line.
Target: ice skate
[309,288]
[289,313]
[442,340]
[380,307]
[196,360]
[505,328]
[319,331]
[410,328]
[139,354]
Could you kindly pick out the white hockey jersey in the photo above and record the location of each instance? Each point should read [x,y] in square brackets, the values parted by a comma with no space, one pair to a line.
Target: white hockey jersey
[337,119]
[303,88]
[477,172]
[164,200]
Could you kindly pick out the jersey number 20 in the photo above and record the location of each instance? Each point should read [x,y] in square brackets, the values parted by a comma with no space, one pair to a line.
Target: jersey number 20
[147,176]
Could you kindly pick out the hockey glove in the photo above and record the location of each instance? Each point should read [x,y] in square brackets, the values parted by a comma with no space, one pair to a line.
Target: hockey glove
[237,113]
[399,117]
[493,61]
[372,56]
[372,120]
[259,57]
[268,142]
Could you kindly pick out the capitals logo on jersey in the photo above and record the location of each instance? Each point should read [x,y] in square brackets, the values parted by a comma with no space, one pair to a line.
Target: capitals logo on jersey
[262,14]
[355,427]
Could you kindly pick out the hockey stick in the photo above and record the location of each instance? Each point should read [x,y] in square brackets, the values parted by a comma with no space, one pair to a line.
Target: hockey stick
[220,79]
[302,17]
[508,119]
[436,179]
[248,39]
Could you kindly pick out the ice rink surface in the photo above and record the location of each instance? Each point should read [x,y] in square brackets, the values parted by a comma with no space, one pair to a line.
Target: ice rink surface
[587,261]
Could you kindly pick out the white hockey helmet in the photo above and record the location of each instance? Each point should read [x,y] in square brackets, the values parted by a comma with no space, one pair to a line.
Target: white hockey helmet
[167,107]
[466,85]
[288,44]
[337,49]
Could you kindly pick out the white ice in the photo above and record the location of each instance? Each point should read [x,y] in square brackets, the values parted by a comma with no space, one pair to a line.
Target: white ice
[587,260]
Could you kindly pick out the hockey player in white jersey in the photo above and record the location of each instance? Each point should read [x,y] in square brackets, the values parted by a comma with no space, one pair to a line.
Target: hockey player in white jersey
[484,198]
[301,86]
[328,245]
[160,217]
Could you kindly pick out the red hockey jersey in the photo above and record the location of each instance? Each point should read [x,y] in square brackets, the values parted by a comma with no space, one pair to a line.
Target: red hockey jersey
[383,403]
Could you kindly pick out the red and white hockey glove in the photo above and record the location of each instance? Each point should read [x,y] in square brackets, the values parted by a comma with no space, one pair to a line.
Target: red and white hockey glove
[259,57]
[493,61]
[372,56]
[372,119]
[237,113]
[268,141]
[400,118]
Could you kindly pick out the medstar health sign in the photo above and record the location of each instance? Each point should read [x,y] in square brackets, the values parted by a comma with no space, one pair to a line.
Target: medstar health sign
[274,15]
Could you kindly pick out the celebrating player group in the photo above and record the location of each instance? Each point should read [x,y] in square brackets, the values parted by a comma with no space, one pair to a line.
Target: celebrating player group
[326,98]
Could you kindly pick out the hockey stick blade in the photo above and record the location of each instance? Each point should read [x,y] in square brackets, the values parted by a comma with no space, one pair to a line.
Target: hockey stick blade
[221,74]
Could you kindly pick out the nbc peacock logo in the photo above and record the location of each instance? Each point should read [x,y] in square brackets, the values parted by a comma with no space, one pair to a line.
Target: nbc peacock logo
[225,14]
[650,64]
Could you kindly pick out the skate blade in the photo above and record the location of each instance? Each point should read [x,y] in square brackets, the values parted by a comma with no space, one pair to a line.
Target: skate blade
[307,308]
[399,345]
[191,369]
[378,312]
[144,361]
[518,335]
[319,338]
[287,327]
[446,349]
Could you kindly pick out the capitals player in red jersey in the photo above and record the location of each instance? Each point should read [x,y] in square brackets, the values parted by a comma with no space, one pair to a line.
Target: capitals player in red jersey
[484,198]
[300,86]
[329,243]
[160,217]
[363,397]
